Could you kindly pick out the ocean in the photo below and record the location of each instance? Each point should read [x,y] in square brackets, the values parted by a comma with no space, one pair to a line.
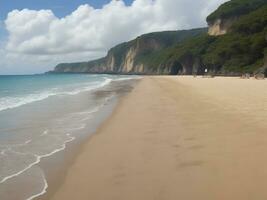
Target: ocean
[39,116]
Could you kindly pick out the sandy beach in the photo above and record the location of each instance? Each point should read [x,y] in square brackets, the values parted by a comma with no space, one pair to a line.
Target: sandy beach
[177,138]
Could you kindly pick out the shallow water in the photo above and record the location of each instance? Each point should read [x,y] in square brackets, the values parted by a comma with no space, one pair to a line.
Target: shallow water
[39,116]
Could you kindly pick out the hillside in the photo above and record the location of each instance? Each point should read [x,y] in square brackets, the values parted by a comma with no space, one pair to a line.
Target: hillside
[223,18]
[241,50]
[235,44]
[235,8]
[131,57]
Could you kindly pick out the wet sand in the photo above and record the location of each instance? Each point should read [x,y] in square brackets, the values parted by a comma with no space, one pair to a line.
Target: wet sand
[177,138]
[56,167]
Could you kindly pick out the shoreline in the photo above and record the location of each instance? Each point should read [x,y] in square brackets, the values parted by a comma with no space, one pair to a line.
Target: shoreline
[81,117]
[167,140]
[55,167]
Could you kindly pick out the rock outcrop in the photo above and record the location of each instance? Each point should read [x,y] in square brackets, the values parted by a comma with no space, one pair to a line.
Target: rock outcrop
[221,20]
[220,26]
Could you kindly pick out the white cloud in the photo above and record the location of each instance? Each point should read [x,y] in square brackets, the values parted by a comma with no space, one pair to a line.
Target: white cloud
[88,33]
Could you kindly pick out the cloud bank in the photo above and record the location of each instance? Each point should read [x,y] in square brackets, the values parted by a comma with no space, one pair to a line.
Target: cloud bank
[41,37]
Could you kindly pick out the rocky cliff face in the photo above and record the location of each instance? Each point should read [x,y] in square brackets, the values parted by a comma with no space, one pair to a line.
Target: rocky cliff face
[220,26]
[222,19]
[129,58]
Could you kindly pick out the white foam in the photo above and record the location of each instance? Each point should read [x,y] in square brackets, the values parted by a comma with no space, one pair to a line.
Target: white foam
[27,142]
[91,87]
[3,152]
[14,102]
[43,190]
[20,172]
[127,78]
[16,145]
[87,112]
[82,126]
[45,133]
[38,159]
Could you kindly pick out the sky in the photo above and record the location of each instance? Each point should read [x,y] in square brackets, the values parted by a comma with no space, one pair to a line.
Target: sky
[36,35]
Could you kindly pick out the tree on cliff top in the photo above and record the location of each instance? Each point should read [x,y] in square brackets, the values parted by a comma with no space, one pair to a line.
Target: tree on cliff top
[235,8]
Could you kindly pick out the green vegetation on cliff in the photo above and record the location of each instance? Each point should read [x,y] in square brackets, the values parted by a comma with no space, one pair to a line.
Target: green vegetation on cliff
[243,49]
[235,8]
[167,39]
[143,48]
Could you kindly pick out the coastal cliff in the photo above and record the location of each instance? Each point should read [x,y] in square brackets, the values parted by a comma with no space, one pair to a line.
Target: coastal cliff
[221,20]
[235,43]
[133,57]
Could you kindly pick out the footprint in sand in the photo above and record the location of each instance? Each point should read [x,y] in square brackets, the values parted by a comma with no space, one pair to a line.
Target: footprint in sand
[118,178]
[118,175]
[190,138]
[176,146]
[196,147]
[188,164]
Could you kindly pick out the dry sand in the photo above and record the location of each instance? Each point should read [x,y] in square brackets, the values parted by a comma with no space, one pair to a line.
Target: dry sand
[177,138]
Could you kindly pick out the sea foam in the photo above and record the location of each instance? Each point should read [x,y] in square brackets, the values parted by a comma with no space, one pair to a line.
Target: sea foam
[14,102]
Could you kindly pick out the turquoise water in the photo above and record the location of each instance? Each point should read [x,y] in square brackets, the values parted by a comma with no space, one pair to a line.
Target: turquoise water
[39,116]
[16,91]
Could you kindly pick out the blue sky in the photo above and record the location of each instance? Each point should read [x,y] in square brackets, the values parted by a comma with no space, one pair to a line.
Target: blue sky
[59,7]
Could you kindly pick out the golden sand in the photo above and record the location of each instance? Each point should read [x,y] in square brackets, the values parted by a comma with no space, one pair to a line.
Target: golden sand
[177,138]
